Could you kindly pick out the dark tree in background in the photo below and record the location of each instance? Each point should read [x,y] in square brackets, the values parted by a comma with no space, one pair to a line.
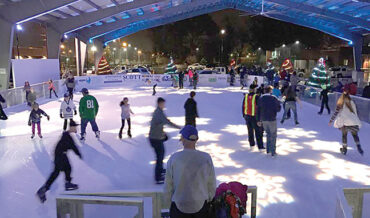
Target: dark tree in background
[244,34]
[181,39]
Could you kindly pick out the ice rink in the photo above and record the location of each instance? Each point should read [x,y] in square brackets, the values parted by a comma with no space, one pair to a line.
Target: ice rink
[301,182]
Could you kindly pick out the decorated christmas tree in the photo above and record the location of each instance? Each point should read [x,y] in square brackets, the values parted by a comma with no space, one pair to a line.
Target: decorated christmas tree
[171,67]
[319,75]
[103,67]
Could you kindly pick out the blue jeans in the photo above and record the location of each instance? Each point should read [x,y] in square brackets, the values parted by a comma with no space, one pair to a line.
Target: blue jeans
[84,123]
[158,147]
[290,105]
[271,135]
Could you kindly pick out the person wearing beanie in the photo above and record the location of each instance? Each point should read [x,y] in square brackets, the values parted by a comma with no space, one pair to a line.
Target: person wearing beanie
[61,162]
[191,111]
[35,119]
[157,137]
[89,108]
[67,110]
[190,178]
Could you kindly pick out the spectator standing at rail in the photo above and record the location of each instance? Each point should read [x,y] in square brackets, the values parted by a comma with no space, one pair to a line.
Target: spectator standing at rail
[346,119]
[157,137]
[190,179]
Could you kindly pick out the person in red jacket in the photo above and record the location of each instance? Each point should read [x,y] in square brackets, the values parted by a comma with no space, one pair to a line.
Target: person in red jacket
[249,110]
[52,88]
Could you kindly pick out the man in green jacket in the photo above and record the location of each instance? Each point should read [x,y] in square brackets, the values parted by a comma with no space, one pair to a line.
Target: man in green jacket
[89,108]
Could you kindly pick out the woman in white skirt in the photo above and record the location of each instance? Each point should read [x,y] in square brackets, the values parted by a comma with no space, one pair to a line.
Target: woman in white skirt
[345,118]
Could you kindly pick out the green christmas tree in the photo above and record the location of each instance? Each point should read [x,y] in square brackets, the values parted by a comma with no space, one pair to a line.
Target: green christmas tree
[171,67]
[319,75]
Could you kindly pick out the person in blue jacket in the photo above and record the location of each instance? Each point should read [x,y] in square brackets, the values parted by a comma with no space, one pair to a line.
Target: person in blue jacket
[268,107]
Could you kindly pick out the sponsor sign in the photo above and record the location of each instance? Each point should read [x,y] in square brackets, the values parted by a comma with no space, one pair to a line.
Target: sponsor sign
[113,79]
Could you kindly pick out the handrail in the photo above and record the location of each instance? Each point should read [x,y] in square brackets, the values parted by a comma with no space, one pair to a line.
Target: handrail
[73,204]
[350,202]
[157,198]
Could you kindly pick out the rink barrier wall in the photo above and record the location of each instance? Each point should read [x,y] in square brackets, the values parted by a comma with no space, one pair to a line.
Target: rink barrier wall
[312,95]
[350,201]
[158,205]
[73,206]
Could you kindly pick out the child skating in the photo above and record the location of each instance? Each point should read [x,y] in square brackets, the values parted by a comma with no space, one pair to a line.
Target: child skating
[125,115]
[61,162]
[67,109]
[35,119]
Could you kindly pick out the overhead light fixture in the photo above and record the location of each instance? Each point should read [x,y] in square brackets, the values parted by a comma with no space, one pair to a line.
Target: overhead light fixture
[283,45]
[93,48]
[297,42]
[65,36]
[19,27]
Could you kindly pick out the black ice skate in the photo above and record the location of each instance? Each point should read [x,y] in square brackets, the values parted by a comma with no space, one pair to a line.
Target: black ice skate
[40,136]
[296,123]
[129,134]
[70,186]
[120,135]
[41,194]
[82,137]
[343,150]
[359,149]
[97,134]
[32,136]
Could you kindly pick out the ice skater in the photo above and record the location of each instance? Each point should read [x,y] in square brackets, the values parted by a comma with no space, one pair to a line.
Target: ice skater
[324,99]
[88,109]
[70,83]
[249,111]
[157,137]
[191,110]
[67,109]
[154,91]
[290,99]
[125,115]
[35,119]
[346,119]
[2,113]
[52,88]
[61,162]
[195,79]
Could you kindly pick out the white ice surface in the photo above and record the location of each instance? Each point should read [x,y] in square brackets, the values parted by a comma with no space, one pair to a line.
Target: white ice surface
[301,182]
